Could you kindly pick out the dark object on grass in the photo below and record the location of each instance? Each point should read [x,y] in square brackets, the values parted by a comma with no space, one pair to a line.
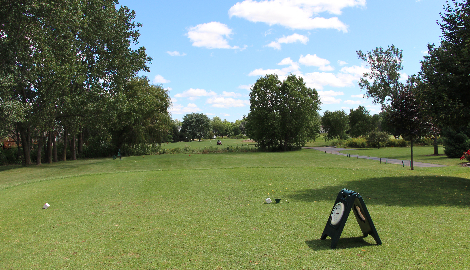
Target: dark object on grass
[277,200]
[345,201]
[219,142]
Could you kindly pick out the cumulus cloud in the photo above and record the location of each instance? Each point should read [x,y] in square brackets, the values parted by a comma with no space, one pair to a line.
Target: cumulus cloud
[289,39]
[227,102]
[358,96]
[299,14]
[211,35]
[175,53]
[246,87]
[346,77]
[160,79]
[353,102]
[342,63]
[314,60]
[180,109]
[193,94]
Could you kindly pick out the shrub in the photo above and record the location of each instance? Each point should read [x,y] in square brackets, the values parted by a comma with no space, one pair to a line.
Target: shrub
[356,142]
[455,143]
[377,139]
[396,143]
[466,155]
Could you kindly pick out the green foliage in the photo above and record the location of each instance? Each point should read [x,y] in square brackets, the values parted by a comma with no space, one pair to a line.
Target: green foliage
[356,142]
[455,143]
[445,69]
[396,143]
[360,122]
[335,124]
[141,114]
[283,115]
[196,126]
[385,66]
[377,139]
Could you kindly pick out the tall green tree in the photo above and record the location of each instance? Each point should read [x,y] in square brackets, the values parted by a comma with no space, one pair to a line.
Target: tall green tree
[360,122]
[62,62]
[446,69]
[282,113]
[141,114]
[218,127]
[335,124]
[196,126]
[383,80]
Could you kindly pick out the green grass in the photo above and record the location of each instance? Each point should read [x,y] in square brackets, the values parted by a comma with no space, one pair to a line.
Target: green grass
[207,211]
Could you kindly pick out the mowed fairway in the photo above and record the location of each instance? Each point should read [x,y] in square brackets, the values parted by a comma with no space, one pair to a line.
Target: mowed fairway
[207,211]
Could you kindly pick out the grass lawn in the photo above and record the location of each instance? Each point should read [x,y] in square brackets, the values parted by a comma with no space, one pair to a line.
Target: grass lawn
[207,211]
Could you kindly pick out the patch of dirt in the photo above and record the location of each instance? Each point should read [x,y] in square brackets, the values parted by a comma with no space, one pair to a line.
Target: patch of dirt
[248,141]
[465,164]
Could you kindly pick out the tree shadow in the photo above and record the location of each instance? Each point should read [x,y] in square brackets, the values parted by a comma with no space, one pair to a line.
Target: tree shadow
[343,243]
[9,167]
[398,191]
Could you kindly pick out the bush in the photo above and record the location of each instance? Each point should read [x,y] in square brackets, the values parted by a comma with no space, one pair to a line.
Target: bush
[377,139]
[396,143]
[455,143]
[356,142]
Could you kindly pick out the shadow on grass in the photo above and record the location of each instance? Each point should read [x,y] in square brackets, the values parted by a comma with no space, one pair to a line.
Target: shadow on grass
[398,191]
[9,167]
[343,243]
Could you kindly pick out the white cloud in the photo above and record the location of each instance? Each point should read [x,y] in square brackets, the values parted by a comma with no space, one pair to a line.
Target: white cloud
[160,79]
[224,102]
[330,93]
[298,14]
[293,68]
[289,39]
[211,35]
[358,96]
[342,63]
[330,100]
[314,60]
[348,76]
[246,87]
[353,102]
[175,53]
[193,94]
[180,109]
[231,94]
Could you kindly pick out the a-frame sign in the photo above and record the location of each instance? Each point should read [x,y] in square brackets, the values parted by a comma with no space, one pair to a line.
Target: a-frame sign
[345,201]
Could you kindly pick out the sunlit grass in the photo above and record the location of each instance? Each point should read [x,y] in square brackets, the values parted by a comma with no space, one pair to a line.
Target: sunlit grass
[207,211]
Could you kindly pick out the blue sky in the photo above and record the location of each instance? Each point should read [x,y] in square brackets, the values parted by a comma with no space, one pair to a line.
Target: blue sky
[209,53]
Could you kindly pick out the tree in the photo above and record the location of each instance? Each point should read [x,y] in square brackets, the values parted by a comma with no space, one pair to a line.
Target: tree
[335,124]
[141,114]
[360,122]
[407,115]
[61,61]
[282,113]
[385,67]
[445,69]
[196,126]
[218,127]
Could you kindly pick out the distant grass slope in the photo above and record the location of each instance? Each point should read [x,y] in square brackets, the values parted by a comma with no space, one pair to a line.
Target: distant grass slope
[207,211]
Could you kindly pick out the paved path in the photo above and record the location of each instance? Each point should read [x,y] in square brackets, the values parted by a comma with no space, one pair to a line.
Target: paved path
[336,151]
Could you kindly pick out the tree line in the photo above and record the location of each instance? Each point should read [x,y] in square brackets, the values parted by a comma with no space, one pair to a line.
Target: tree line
[68,71]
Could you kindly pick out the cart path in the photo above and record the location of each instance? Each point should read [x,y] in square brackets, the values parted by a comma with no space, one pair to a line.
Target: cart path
[336,151]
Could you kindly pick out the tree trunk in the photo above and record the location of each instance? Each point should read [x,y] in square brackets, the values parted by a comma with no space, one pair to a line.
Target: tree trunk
[26,143]
[64,155]
[49,147]
[73,147]
[80,143]
[54,147]
[18,142]
[411,162]
[436,148]
[39,153]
